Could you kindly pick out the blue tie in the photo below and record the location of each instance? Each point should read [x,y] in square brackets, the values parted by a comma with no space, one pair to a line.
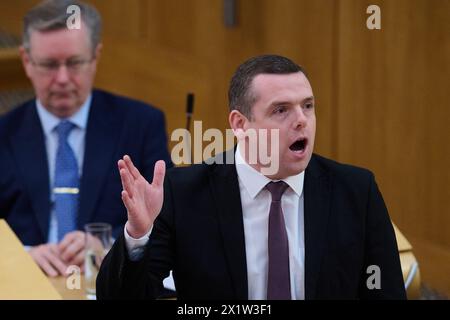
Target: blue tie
[67,182]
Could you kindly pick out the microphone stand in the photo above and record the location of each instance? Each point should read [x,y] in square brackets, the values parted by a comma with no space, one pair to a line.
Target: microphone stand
[189,111]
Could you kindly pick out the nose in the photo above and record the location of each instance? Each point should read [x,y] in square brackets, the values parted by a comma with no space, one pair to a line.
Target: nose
[62,75]
[300,120]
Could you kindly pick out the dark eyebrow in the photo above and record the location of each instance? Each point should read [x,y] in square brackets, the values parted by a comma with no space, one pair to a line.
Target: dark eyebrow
[71,58]
[48,61]
[277,103]
[281,102]
[308,99]
[75,57]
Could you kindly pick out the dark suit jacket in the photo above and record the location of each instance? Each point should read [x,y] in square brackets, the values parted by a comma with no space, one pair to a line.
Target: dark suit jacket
[116,126]
[200,235]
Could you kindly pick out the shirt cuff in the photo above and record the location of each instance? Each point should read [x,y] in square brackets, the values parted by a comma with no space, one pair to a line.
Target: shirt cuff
[135,247]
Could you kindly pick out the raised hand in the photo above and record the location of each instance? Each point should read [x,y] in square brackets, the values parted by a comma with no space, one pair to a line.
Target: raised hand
[142,199]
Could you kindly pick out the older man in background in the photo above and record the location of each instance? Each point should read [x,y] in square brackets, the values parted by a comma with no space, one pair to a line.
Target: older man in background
[58,151]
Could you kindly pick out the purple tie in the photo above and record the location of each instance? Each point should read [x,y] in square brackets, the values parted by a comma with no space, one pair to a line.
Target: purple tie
[278,284]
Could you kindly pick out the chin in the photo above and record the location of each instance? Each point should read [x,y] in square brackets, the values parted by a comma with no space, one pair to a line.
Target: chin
[64,113]
[294,169]
[63,109]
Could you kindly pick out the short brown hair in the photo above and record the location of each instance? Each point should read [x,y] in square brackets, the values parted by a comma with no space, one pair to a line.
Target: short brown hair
[52,15]
[240,96]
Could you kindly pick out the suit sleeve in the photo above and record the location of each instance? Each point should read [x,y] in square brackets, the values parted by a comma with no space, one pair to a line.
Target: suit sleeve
[121,278]
[381,250]
[7,185]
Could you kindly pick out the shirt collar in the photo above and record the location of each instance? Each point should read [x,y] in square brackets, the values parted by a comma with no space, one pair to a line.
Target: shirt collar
[50,121]
[254,181]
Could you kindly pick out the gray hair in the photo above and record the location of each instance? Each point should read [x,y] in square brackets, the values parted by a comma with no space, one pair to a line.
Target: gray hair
[240,95]
[52,15]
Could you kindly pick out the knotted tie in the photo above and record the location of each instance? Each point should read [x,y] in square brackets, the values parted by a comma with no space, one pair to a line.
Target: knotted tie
[278,285]
[67,181]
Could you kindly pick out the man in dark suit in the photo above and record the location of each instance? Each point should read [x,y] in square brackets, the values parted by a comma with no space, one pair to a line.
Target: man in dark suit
[307,228]
[58,152]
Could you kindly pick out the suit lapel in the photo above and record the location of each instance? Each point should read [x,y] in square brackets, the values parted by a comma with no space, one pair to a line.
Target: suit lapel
[102,134]
[28,145]
[317,197]
[225,186]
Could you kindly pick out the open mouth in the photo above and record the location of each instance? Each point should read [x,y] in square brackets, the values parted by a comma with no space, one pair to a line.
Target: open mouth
[299,145]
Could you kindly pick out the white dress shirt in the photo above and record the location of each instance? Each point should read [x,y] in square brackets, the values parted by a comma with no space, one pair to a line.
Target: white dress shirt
[256,201]
[255,209]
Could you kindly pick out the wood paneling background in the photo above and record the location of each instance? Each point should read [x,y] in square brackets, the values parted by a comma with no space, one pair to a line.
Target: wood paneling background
[394,108]
[383,95]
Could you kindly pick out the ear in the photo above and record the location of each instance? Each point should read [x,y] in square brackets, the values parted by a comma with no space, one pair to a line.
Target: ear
[239,123]
[98,51]
[26,62]
[237,120]
[97,54]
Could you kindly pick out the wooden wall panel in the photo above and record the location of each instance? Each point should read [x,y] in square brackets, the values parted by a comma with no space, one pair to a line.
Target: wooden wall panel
[393,108]
[193,32]
[12,74]
[121,19]
[11,14]
[160,77]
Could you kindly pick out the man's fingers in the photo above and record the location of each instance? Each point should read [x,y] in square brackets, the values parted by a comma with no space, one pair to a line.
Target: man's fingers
[127,201]
[38,256]
[126,178]
[54,260]
[127,183]
[159,173]
[46,267]
[75,247]
[65,242]
[133,170]
[53,249]
[121,166]
[69,238]
[78,259]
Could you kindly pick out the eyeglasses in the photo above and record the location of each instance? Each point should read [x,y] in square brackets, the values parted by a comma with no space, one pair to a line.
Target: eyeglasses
[51,67]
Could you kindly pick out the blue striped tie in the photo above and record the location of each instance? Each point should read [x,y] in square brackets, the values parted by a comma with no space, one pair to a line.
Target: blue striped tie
[67,182]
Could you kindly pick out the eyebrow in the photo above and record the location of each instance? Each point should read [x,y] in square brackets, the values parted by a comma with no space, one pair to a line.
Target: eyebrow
[74,57]
[311,98]
[307,99]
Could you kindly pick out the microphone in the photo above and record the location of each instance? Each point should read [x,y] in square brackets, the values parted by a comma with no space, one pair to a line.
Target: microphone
[189,110]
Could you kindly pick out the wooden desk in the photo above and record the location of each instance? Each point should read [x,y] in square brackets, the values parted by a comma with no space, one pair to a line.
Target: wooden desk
[59,283]
[408,260]
[20,277]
